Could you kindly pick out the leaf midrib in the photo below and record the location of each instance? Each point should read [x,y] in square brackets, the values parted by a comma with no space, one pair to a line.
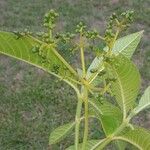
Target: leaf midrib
[14,55]
[130,42]
[122,93]
[127,140]
[96,107]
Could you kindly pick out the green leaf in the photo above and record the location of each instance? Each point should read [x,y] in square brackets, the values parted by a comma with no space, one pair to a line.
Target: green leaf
[138,137]
[110,124]
[110,115]
[95,106]
[144,101]
[120,145]
[127,44]
[22,49]
[127,82]
[89,145]
[103,107]
[95,68]
[61,132]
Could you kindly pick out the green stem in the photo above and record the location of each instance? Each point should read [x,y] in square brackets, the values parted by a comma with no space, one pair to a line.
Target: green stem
[50,33]
[113,42]
[100,37]
[82,59]
[77,120]
[104,143]
[116,36]
[108,139]
[86,124]
[82,56]
[120,129]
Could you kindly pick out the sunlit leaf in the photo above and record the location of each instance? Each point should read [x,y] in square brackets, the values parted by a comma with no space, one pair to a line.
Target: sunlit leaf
[22,48]
[108,114]
[127,82]
[144,101]
[127,44]
[139,137]
[95,68]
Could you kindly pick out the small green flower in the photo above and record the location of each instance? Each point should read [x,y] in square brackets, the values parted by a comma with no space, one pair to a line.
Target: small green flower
[91,34]
[81,28]
[50,18]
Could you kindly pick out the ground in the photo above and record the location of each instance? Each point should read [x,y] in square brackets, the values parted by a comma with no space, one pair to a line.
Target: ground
[32,102]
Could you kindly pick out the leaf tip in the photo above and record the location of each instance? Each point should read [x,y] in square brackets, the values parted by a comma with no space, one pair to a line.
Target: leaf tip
[141,32]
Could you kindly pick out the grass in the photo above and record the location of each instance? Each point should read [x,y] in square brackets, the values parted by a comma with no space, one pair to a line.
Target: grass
[32,103]
[31,106]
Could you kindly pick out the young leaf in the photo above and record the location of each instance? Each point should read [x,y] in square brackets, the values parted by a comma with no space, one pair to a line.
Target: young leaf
[22,49]
[126,86]
[144,101]
[139,137]
[95,68]
[89,145]
[127,45]
[110,115]
[61,132]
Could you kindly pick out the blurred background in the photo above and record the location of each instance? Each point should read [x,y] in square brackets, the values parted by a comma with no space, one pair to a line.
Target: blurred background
[32,103]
